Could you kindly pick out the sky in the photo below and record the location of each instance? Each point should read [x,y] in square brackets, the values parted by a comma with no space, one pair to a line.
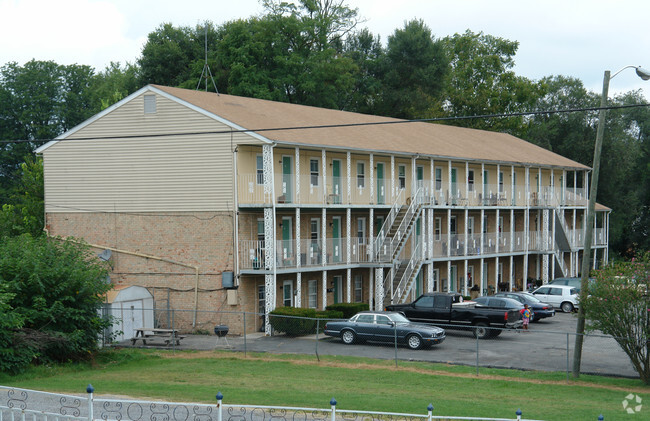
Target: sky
[576,38]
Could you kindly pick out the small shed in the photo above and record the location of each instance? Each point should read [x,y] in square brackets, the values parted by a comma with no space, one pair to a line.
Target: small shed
[131,307]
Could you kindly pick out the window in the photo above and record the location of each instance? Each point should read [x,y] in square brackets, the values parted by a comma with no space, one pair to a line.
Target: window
[401,176]
[260,170]
[452,225]
[485,224]
[361,175]
[312,293]
[437,228]
[361,230]
[438,178]
[500,181]
[365,318]
[382,320]
[425,301]
[470,180]
[470,225]
[261,306]
[358,288]
[314,172]
[150,104]
[315,230]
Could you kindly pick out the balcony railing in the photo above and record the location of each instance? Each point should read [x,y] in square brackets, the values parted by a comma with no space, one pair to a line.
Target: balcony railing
[252,252]
[318,190]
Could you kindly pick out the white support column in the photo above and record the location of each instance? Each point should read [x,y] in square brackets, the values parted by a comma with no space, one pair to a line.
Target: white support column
[297,170]
[348,224]
[371,234]
[449,232]
[379,288]
[269,235]
[545,240]
[298,300]
[466,233]
[496,274]
[512,230]
[371,290]
[465,278]
[526,225]
[430,229]
[414,186]
[348,161]
[450,194]
[482,275]
[432,182]
[372,180]
[511,275]
[323,234]
[393,189]
[449,275]
[498,233]
[467,184]
[324,171]
[324,282]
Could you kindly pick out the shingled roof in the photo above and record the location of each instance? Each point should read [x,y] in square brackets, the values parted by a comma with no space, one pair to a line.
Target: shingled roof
[425,139]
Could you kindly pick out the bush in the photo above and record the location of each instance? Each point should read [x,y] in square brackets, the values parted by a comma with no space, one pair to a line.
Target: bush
[299,321]
[52,291]
[348,309]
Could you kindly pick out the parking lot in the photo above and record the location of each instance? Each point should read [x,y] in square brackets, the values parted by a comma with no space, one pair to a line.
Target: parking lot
[544,347]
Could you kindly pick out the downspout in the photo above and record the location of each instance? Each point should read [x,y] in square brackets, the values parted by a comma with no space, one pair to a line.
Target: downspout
[147,256]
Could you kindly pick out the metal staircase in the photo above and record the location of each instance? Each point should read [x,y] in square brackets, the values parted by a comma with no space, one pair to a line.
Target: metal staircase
[562,241]
[390,244]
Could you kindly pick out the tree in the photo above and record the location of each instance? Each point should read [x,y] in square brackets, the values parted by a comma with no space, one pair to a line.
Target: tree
[481,82]
[39,101]
[23,214]
[618,305]
[413,72]
[366,52]
[115,83]
[54,289]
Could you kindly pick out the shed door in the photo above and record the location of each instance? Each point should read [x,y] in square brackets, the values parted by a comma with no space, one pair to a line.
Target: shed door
[132,317]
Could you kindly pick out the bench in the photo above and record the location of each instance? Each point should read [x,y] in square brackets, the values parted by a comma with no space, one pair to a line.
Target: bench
[168,336]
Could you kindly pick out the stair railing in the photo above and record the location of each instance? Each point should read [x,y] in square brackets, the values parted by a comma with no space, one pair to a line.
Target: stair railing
[413,211]
[405,283]
[383,232]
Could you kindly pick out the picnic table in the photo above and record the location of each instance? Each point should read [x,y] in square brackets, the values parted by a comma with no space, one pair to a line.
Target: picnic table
[169,336]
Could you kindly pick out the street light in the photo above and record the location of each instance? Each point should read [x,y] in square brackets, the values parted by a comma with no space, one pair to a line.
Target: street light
[589,229]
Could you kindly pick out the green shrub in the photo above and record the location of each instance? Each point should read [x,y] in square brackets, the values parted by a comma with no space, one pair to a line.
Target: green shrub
[300,321]
[348,309]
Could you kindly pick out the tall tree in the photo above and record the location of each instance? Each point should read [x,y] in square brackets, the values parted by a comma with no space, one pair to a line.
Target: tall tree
[367,53]
[481,82]
[39,101]
[413,72]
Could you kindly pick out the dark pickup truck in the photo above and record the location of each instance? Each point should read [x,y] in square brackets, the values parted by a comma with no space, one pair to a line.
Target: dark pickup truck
[447,310]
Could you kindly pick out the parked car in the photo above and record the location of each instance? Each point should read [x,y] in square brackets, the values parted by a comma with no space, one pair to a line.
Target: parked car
[499,303]
[540,309]
[382,326]
[564,297]
[572,282]
[448,309]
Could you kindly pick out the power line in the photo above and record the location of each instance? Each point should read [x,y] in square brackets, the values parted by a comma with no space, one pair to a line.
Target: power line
[332,126]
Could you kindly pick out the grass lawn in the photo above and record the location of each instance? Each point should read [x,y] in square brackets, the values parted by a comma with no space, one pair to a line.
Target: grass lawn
[356,383]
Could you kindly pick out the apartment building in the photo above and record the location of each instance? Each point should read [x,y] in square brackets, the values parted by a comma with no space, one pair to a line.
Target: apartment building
[243,204]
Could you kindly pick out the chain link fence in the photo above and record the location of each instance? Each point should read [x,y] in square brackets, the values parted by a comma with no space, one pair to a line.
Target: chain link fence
[546,346]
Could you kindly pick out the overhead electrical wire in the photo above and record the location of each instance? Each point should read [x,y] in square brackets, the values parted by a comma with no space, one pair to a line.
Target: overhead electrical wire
[333,126]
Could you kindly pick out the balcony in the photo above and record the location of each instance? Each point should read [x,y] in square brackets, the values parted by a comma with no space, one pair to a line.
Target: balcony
[321,191]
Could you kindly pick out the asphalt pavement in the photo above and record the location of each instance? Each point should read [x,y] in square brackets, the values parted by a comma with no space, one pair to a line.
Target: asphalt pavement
[544,347]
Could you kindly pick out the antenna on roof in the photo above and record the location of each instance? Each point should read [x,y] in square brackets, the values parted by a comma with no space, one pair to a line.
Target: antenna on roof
[206,69]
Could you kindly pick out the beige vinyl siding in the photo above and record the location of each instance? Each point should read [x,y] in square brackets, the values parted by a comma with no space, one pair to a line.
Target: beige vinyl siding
[170,173]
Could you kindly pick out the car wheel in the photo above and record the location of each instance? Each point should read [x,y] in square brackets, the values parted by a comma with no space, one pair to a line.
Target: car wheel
[495,332]
[567,307]
[414,341]
[481,330]
[348,337]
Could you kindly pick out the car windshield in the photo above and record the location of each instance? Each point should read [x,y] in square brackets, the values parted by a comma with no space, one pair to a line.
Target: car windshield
[398,318]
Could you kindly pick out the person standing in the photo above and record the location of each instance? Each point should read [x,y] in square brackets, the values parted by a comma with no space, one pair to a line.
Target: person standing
[525,313]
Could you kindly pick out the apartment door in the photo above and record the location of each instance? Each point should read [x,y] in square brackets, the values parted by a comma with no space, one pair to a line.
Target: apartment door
[287,241]
[381,189]
[336,181]
[287,293]
[338,289]
[453,278]
[287,178]
[336,239]
[419,175]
